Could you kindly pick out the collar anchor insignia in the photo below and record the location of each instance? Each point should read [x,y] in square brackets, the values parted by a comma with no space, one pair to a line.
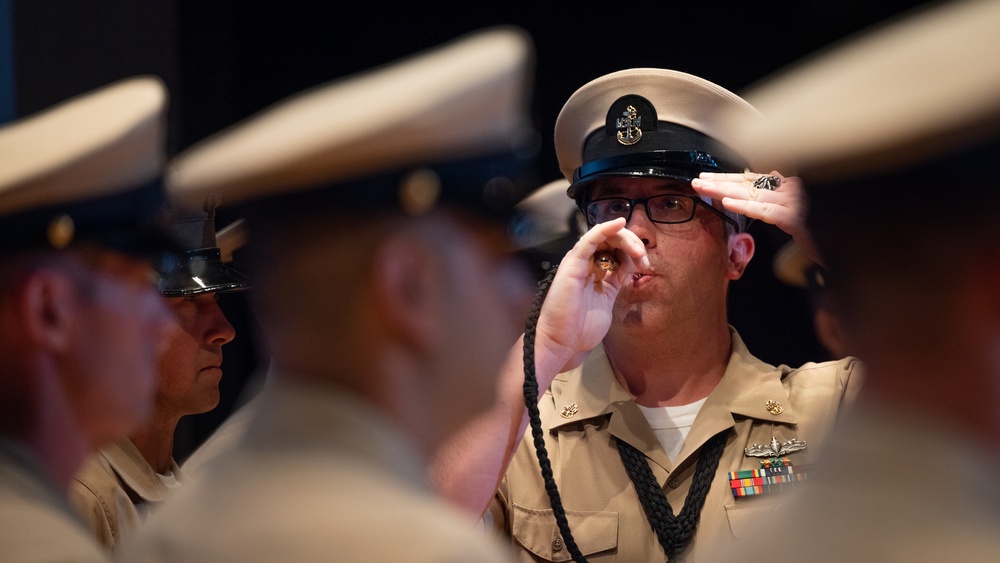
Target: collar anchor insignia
[774,407]
[570,410]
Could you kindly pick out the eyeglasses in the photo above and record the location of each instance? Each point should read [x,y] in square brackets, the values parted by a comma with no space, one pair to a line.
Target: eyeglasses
[663,208]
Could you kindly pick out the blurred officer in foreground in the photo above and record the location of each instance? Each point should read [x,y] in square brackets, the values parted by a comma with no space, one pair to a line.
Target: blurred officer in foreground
[121,483]
[658,400]
[897,136]
[81,323]
[388,295]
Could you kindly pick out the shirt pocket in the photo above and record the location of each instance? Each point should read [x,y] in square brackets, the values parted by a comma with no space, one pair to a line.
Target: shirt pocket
[748,516]
[536,530]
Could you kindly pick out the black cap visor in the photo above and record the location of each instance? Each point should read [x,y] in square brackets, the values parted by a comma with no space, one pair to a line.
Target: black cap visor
[199,271]
[667,164]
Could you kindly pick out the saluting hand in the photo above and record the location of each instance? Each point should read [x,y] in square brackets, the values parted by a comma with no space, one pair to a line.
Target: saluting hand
[782,207]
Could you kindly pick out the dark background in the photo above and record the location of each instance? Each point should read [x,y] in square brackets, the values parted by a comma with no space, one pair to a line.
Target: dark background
[224,60]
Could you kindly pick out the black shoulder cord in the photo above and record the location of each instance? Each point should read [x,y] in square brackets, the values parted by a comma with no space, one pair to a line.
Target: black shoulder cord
[673,532]
[534,420]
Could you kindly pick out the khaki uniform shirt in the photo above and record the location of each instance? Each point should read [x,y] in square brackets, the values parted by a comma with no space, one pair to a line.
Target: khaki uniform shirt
[115,489]
[225,437]
[586,408]
[318,476]
[36,522]
[895,487]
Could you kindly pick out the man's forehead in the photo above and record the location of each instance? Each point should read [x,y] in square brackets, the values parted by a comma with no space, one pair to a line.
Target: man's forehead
[626,185]
[117,265]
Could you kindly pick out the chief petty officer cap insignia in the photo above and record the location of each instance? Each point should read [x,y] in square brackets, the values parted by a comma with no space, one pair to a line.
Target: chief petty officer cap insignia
[449,126]
[88,169]
[650,122]
[201,268]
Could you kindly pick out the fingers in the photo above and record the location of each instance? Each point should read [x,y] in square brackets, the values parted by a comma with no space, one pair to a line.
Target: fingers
[738,193]
[613,235]
[607,248]
[741,186]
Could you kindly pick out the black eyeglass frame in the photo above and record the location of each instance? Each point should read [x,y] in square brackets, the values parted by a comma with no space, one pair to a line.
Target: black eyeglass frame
[633,203]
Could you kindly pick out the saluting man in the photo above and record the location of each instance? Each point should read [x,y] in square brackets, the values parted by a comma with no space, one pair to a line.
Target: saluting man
[652,409]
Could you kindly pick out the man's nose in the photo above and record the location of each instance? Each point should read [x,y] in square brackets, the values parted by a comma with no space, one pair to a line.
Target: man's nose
[639,223]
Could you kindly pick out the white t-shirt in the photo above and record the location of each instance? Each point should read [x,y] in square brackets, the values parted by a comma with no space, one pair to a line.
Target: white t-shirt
[170,480]
[672,424]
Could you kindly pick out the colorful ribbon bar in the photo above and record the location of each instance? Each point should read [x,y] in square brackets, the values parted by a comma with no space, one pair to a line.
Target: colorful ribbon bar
[751,482]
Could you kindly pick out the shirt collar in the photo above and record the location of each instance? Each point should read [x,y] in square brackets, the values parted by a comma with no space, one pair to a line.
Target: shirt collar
[133,469]
[591,390]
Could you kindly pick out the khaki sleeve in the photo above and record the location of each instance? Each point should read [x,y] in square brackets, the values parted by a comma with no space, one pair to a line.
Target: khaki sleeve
[496,513]
[853,380]
[94,513]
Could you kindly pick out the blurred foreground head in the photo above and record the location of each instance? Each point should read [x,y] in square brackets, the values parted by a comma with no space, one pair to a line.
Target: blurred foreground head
[81,209]
[897,136]
[378,208]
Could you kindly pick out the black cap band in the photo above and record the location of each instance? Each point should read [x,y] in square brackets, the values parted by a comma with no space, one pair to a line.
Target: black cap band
[634,143]
[130,221]
[690,162]
[487,186]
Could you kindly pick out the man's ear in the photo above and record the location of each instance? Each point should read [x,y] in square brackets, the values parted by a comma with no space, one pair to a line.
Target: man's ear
[741,247]
[45,302]
[406,289]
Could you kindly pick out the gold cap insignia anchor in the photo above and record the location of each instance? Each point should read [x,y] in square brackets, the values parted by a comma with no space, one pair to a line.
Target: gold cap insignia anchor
[628,126]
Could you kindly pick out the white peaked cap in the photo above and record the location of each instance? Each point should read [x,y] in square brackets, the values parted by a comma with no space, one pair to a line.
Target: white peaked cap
[90,146]
[87,168]
[918,87]
[463,100]
[678,98]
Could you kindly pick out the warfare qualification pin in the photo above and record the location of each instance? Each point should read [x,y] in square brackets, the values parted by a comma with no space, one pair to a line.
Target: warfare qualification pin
[775,449]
